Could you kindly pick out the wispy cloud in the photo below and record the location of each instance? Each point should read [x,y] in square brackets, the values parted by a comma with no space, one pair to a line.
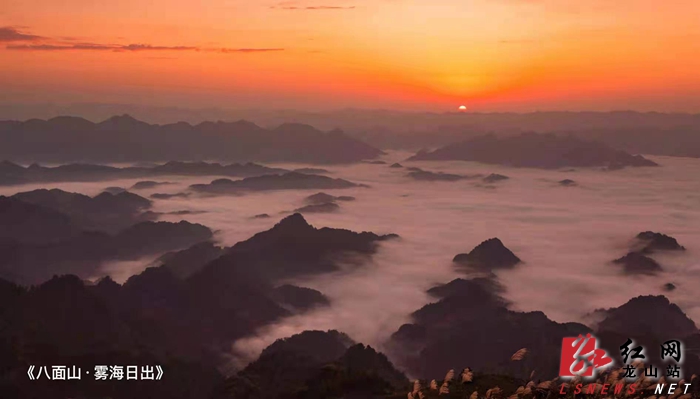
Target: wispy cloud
[248,50]
[11,34]
[21,41]
[97,47]
[290,5]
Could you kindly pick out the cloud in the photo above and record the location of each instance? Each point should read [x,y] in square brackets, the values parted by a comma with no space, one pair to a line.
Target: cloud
[518,41]
[292,6]
[248,50]
[98,47]
[11,34]
[132,48]
[148,47]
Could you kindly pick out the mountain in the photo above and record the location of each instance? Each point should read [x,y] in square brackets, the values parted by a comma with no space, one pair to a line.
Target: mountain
[184,322]
[315,364]
[105,212]
[294,248]
[188,261]
[535,151]
[327,207]
[489,255]
[65,322]
[649,321]
[653,242]
[83,253]
[11,173]
[323,198]
[287,181]
[32,223]
[52,232]
[299,297]
[425,175]
[125,139]
[470,325]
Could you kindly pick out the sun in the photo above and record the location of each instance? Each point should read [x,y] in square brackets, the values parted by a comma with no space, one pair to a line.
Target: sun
[462,107]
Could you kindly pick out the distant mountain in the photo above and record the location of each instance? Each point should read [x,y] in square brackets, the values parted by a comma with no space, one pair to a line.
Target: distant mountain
[11,173]
[83,253]
[286,181]
[33,223]
[125,139]
[104,212]
[535,151]
[52,232]
[426,175]
[323,198]
[327,207]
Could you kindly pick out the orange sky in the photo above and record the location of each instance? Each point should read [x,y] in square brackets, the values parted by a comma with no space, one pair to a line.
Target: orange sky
[491,55]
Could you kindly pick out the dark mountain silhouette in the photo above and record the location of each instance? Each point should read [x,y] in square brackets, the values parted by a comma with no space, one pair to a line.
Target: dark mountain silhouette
[14,174]
[125,139]
[652,242]
[312,171]
[489,255]
[316,364]
[638,260]
[165,196]
[567,183]
[637,263]
[188,261]
[82,254]
[648,316]
[114,190]
[396,165]
[535,151]
[649,321]
[146,184]
[287,181]
[31,223]
[293,248]
[184,321]
[323,198]
[425,175]
[301,298]
[65,322]
[327,207]
[48,232]
[470,325]
[104,212]
[495,177]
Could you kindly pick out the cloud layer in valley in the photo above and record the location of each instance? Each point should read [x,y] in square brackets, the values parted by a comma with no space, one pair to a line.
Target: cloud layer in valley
[566,237]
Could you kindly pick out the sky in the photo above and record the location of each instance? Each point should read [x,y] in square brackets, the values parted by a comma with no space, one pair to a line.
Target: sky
[489,55]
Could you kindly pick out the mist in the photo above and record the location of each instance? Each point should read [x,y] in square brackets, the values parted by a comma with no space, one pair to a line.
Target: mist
[566,237]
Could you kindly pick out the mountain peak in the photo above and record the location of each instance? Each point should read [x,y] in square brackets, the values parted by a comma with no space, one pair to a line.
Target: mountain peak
[124,120]
[293,222]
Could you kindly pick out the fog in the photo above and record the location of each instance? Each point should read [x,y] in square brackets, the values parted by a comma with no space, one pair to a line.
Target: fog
[566,237]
